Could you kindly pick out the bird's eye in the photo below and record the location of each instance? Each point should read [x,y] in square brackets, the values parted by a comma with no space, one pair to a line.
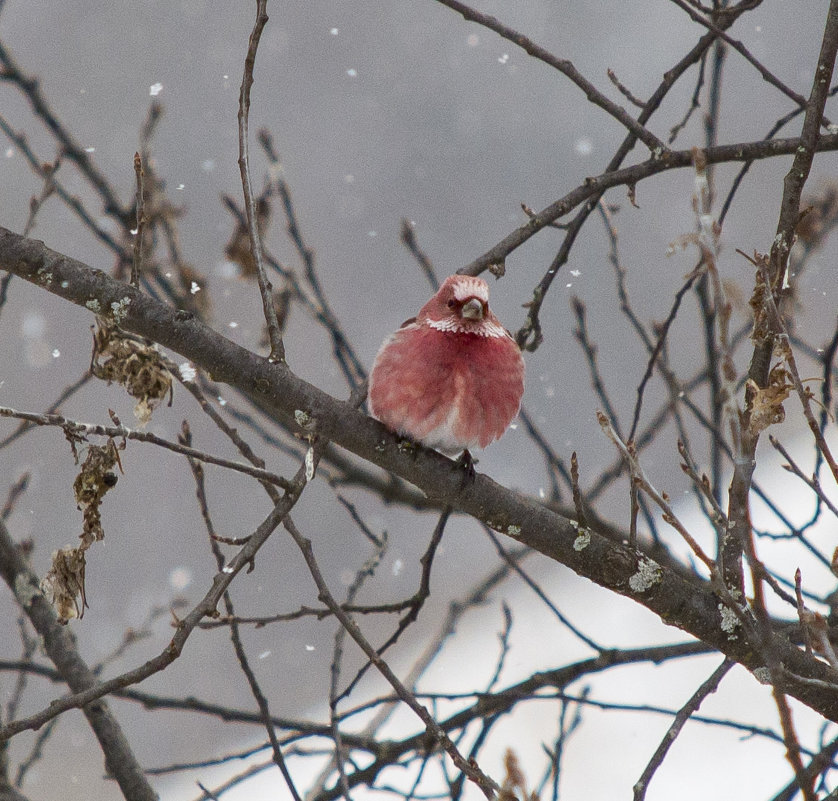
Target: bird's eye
[451,303]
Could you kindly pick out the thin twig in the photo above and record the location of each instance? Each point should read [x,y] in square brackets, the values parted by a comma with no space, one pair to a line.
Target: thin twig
[565,67]
[640,477]
[318,305]
[136,263]
[69,200]
[624,90]
[513,562]
[695,103]
[417,600]
[68,392]
[766,74]
[222,580]
[338,761]
[795,181]
[15,492]
[277,353]
[577,494]
[529,335]
[30,87]
[813,483]
[60,646]
[408,238]
[92,429]
[238,647]
[488,786]
[707,688]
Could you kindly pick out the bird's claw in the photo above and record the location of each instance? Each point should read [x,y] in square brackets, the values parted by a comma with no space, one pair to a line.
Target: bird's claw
[466,462]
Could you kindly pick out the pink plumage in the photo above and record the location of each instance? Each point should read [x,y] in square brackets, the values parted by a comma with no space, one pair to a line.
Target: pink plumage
[452,377]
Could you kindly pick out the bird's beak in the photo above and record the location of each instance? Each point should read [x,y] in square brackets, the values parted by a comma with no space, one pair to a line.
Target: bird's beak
[472,309]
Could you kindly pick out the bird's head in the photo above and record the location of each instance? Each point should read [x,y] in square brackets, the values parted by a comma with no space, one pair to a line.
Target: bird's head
[461,305]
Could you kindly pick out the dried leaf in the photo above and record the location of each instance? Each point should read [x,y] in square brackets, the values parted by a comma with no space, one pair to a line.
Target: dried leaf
[764,407]
[514,787]
[759,298]
[819,217]
[135,365]
[95,478]
[63,584]
[238,248]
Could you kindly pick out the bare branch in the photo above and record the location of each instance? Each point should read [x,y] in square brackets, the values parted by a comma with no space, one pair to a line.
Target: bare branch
[685,603]
[60,646]
[707,688]
[565,67]
[136,264]
[277,353]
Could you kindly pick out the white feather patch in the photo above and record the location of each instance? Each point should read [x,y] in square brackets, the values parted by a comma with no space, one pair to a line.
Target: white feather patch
[443,438]
[484,328]
[467,286]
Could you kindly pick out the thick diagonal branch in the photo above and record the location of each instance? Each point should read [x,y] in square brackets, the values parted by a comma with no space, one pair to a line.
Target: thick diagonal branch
[690,605]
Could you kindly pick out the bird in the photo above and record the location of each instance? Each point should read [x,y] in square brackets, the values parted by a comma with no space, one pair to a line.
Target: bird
[452,377]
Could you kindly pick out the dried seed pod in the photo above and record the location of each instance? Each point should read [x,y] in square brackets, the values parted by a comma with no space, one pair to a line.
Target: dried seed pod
[63,585]
[95,478]
[135,365]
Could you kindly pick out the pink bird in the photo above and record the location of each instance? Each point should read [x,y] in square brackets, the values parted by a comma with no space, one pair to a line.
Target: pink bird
[452,377]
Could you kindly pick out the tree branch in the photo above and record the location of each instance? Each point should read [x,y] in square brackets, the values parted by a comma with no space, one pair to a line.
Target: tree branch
[691,605]
[60,646]
[628,176]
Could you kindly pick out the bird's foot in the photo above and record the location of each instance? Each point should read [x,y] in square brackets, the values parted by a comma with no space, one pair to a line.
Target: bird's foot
[408,447]
[466,462]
